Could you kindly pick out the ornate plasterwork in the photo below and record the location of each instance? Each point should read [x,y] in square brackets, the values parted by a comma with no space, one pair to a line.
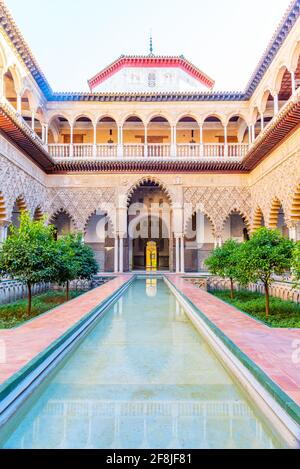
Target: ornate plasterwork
[279,184]
[80,203]
[218,203]
[16,183]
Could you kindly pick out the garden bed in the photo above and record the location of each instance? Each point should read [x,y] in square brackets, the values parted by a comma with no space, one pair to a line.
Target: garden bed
[283,314]
[15,314]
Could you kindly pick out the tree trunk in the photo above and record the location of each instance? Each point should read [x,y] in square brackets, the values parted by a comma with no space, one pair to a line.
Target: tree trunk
[29,298]
[67,290]
[267,300]
[231,289]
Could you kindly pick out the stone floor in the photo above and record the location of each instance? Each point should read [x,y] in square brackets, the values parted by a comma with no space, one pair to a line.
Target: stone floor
[270,349]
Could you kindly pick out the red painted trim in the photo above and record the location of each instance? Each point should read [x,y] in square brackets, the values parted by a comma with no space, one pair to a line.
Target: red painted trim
[147,62]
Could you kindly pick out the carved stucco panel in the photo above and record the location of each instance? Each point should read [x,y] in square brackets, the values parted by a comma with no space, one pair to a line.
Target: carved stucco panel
[16,183]
[80,204]
[281,184]
[219,202]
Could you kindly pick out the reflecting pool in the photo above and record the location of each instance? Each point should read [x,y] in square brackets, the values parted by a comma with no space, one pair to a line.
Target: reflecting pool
[142,378]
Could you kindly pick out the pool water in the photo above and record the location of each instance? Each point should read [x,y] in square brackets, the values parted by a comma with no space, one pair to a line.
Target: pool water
[142,378]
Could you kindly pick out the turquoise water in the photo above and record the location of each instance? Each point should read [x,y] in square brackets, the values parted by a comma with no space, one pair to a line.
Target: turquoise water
[142,378]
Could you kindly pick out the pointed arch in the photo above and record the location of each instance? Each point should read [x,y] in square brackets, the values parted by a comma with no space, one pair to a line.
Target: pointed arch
[81,115]
[295,206]
[241,213]
[274,213]
[191,115]
[60,213]
[258,220]
[145,180]
[206,214]
[18,208]
[131,115]
[38,213]
[20,203]
[295,56]
[157,115]
[105,213]
[3,215]
[215,114]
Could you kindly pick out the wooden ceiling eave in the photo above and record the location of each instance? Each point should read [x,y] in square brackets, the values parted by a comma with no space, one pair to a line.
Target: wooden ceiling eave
[170,166]
[19,137]
[287,122]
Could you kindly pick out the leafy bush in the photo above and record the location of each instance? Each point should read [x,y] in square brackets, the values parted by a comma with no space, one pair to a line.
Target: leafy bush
[282,313]
[14,314]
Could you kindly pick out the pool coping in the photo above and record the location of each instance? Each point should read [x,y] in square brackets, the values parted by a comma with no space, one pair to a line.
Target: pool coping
[283,399]
[11,384]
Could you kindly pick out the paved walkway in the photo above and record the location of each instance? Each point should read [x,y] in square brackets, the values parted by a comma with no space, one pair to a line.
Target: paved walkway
[270,349]
[25,342]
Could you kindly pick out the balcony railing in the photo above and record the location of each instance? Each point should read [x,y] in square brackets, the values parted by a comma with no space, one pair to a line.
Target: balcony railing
[128,151]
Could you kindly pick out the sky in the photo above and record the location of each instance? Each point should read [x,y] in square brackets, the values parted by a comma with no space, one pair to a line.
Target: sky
[73,40]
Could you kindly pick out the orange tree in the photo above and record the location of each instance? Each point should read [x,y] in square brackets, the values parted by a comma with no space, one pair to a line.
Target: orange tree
[223,262]
[266,254]
[29,253]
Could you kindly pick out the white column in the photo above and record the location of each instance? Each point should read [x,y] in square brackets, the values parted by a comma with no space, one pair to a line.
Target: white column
[276,104]
[46,134]
[182,254]
[146,141]
[130,252]
[253,132]
[225,141]
[19,103]
[3,233]
[121,266]
[201,139]
[173,141]
[116,254]
[249,134]
[262,122]
[293,78]
[177,255]
[293,233]
[32,119]
[120,141]
[95,139]
[71,139]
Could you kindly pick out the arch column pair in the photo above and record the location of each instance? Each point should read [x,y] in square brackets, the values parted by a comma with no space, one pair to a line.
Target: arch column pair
[179,253]
[120,235]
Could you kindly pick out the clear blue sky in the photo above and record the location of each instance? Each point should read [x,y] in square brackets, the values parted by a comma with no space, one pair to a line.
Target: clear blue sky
[74,39]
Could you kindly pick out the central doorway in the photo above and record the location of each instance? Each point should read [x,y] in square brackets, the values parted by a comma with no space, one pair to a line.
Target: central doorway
[149,218]
[151,256]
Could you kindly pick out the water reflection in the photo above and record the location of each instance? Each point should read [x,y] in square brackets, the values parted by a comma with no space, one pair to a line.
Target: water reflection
[151,287]
[87,420]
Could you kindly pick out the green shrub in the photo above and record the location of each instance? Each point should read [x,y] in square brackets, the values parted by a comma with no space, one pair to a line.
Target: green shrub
[282,313]
[14,314]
